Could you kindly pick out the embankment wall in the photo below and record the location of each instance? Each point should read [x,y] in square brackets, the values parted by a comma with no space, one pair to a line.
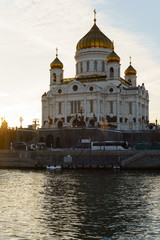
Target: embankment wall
[80,158]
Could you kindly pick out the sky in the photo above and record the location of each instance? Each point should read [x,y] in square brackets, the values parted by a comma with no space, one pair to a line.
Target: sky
[31,30]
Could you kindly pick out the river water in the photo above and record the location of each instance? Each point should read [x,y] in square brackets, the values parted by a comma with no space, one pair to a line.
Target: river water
[79,204]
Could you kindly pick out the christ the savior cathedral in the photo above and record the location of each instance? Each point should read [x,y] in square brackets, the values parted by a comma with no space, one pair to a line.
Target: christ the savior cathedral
[97,96]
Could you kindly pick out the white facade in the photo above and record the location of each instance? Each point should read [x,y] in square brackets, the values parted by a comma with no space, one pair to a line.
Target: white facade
[97,95]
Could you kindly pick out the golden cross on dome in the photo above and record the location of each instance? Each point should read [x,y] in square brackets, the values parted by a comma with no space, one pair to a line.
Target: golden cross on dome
[56,52]
[94,16]
[130,60]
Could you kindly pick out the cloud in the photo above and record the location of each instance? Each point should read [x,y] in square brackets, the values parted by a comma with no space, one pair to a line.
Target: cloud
[3,94]
[31,31]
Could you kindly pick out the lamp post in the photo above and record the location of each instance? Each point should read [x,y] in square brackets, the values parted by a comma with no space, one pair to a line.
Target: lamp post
[21,120]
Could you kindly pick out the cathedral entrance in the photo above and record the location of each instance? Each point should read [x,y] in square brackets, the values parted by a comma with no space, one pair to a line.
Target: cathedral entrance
[49,141]
[77,123]
[91,123]
[58,142]
[60,124]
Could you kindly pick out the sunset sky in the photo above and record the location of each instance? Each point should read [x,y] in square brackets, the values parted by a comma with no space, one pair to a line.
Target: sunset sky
[30,31]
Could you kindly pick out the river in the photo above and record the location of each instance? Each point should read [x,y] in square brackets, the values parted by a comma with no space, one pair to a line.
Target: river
[79,204]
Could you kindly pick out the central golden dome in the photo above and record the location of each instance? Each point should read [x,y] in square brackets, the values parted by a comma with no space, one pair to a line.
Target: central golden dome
[94,38]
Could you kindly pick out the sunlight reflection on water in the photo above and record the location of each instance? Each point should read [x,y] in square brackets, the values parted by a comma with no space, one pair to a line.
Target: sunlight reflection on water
[84,204]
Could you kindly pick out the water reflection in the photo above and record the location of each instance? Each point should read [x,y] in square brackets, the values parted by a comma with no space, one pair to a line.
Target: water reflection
[86,204]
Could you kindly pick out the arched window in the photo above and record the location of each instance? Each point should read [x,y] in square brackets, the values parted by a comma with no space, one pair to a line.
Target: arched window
[118,72]
[95,65]
[111,72]
[103,68]
[54,77]
[130,82]
[81,67]
[77,68]
[60,124]
[87,66]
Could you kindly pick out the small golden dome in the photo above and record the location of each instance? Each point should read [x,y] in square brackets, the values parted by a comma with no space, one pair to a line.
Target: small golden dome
[113,57]
[94,38]
[130,71]
[56,64]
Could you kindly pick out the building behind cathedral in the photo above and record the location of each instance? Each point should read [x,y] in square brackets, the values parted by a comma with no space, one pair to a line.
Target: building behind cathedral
[97,95]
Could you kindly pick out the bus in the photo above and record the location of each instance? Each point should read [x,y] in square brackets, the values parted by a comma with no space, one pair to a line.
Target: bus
[109,145]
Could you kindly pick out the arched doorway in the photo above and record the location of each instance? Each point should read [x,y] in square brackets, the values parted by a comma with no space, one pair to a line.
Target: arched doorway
[58,142]
[60,124]
[49,141]
[75,123]
[91,123]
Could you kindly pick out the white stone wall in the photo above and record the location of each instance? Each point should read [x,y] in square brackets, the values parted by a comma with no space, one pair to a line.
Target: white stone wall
[127,105]
[91,55]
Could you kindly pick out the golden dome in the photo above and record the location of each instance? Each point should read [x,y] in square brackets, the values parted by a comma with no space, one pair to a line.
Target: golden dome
[56,64]
[113,57]
[94,38]
[130,71]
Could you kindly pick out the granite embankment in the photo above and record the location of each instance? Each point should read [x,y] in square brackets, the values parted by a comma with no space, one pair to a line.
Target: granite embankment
[80,159]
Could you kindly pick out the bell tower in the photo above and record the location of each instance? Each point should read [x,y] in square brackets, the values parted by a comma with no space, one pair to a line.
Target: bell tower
[113,66]
[130,75]
[56,71]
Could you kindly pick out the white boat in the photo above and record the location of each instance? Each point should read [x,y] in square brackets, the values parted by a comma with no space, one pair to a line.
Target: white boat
[53,167]
[116,167]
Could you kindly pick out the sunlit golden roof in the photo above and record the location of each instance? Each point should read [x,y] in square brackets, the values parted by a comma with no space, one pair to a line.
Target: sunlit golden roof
[94,38]
[113,57]
[56,64]
[130,71]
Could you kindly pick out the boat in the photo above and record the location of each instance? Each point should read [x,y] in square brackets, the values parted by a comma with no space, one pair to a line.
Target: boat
[53,167]
[116,167]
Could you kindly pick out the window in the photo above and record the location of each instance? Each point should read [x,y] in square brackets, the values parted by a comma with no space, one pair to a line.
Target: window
[71,107]
[95,65]
[75,87]
[118,72]
[75,107]
[78,105]
[81,67]
[87,66]
[59,108]
[77,68]
[54,77]
[103,67]
[129,80]
[130,108]
[91,89]
[111,72]
[111,107]
[91,106]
